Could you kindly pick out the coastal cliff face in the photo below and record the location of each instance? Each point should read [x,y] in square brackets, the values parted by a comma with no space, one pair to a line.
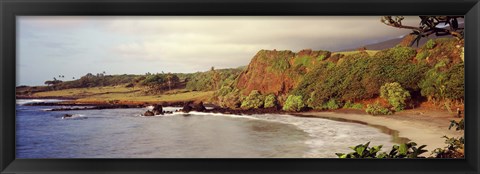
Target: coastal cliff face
[278,72]
[321,79]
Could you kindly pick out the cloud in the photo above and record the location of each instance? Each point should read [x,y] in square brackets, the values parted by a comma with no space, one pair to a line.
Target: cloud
[186,43]
[224,41]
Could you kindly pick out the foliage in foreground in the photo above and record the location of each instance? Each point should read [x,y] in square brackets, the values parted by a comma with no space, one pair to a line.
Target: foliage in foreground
[406,150]
[454,148]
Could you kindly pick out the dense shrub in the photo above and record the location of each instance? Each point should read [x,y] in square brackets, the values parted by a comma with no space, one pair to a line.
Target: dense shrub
[359,76]
[395,95]
[213,79]
[294,103]
[98,80]
[229,99]
[442,83]
[157,83]
[350,105]
[253,100]
[331,104]
[270,101]
[377,109]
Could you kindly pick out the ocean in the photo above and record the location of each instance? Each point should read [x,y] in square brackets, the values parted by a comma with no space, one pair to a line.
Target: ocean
[124,133]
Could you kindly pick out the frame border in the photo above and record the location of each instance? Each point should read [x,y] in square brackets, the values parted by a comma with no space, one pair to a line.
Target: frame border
[12,8]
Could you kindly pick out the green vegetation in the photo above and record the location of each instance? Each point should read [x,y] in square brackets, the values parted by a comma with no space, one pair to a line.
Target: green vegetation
[79,92]
[331,104]
[253,100]
[346,53]
[157,83]
[270,101]
[359,76]
[455,146]
[303,61]
[443,83]
[90,80]
[321,57]
[230,99]
[294,103]
[454,149]
[422,55]
[122,93]
[406,150]
[308,79]
[395,94]
[377,109]
[212,80]
[430,44]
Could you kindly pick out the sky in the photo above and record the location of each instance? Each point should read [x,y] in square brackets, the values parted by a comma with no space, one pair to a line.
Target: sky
[72,46]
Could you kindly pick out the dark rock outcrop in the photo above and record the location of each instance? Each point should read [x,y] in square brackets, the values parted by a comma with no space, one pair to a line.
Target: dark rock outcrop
[187,108]
[149,113]
[199,107]
[157,110]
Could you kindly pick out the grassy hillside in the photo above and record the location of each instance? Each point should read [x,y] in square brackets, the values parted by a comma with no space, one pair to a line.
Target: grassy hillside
[123,94]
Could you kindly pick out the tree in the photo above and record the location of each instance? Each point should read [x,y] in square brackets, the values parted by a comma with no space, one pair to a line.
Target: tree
[428,25]
[172,80]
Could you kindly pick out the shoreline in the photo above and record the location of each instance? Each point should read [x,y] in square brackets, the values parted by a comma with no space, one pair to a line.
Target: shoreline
[418,125]
[420,131]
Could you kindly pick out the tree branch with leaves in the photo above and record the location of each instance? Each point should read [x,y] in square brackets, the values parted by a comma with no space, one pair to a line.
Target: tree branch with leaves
[438,25]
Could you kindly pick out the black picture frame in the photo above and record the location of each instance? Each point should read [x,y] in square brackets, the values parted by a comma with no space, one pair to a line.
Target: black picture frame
[11,8]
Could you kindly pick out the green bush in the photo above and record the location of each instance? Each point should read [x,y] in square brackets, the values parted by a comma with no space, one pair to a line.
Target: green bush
[294,103]
[270,101]
[253,100]
[395,94]
[377,109]
[331,104]
[230,100]
[430,44]
[350,105]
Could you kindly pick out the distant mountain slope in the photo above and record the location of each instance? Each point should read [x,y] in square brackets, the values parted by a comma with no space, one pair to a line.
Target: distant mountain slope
[392,42]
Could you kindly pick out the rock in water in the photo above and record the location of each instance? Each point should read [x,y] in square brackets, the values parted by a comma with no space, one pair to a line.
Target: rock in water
[67,116]
[199,107]
[157,110]
[187,108]
[149,113]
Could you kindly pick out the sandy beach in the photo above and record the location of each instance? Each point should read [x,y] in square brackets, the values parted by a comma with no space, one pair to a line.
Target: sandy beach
[420,126]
